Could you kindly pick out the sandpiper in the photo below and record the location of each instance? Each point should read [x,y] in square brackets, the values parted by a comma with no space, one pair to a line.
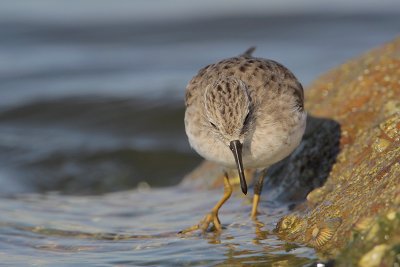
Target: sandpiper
[243,112]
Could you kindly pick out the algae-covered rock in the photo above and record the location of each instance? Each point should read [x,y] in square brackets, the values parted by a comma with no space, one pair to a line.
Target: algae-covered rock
[363,96]
[375,245]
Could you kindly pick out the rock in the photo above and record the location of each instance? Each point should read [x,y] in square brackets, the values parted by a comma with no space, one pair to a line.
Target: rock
[375,245]
[363,96]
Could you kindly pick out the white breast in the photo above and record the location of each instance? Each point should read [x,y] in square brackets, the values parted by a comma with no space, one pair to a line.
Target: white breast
[269,145]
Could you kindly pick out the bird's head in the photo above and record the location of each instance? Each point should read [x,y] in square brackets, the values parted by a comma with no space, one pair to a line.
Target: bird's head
[228,110]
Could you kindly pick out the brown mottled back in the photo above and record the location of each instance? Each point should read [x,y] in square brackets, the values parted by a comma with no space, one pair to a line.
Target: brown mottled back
[259,75]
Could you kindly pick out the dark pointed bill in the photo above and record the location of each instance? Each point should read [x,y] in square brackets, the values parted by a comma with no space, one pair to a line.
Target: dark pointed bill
[236,148]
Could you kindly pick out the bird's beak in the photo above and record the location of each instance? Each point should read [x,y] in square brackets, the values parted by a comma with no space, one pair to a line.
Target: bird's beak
[236,148]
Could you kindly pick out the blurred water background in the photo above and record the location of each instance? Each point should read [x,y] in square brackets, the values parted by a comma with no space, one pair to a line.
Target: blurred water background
[91,102]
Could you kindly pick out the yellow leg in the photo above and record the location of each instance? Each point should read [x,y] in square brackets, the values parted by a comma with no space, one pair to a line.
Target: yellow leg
[257,192]
[212,217]
[256,199]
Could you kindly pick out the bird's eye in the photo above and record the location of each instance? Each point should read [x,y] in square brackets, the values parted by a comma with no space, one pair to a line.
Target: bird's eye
[214,126]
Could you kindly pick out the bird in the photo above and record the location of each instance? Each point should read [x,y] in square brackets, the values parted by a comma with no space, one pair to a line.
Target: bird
[243,112]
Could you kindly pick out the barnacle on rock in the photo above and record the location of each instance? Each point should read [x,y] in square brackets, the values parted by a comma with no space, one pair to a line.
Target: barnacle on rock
[363,224]
[290,226]
[322,232]
[287,222]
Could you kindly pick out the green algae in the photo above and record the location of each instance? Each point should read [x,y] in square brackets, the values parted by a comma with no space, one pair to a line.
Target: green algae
[378,245]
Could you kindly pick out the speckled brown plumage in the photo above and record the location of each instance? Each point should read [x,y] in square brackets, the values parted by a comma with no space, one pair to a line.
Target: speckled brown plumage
[259,74]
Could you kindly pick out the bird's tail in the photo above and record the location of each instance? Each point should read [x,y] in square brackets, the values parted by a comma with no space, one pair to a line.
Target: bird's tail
[248,52]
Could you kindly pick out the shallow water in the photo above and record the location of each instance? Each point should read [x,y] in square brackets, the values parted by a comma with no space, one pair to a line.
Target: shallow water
[139,227]
[91,110]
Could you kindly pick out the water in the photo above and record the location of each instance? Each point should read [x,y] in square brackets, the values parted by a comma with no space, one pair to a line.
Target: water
[89,111]
[49,230]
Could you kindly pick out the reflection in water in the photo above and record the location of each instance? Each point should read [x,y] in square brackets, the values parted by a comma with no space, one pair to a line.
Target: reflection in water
[139,228]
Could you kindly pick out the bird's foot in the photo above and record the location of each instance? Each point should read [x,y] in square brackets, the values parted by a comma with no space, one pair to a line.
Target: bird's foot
[204,225]
[212,217]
